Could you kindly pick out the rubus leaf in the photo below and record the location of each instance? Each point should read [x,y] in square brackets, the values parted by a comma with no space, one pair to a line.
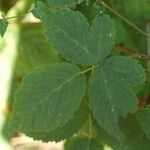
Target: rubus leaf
[143,117]
[66,131]
[47,98]
[134,137]
[68,32]
[41,10]
[120,31]
[3,26]
[105,137]
[111,93]
[102,35]
[83,143]
[71,36]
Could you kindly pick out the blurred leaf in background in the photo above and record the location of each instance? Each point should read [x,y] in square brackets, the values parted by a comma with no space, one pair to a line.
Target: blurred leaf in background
[33,51]
[3,26]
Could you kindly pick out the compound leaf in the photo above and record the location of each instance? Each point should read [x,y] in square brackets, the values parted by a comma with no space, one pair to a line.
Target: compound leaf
[47,98]
[3,26]
[83,143]
[143,117]
[71,36]
[111,93]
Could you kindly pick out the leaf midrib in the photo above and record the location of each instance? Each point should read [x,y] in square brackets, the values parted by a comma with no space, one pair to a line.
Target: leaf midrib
[109,92]
[62,84]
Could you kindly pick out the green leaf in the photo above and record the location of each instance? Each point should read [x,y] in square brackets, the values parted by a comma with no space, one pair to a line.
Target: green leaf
[134,137]
[105,137]
[47,98]
[120,31]
[82,143]
[61,3]
[102,35]
[71,36]
[34,49]
[69,29]
[3,26]
[90,9]
[111,91]
[41,10]
[66,131]
[143,117]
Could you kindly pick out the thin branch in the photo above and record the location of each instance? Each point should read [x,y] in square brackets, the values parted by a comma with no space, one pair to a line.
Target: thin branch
[148,46]
[20,15]
[132,52]
[123,18]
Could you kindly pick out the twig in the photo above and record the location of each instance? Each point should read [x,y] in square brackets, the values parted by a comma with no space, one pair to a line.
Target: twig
[14,17]
[132,52]
[148,46]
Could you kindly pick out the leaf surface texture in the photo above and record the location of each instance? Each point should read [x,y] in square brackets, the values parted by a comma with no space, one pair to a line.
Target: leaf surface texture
[73,38]
[111,93]
[47,98]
